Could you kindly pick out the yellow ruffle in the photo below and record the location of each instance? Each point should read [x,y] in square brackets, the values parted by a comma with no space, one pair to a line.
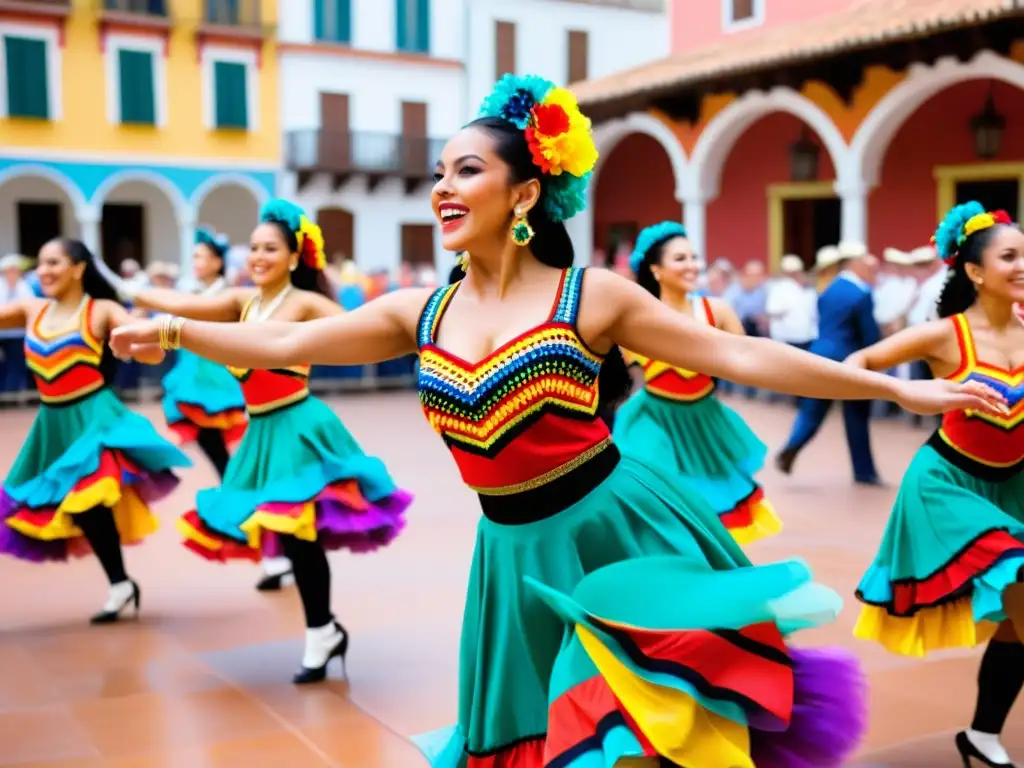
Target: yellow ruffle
[676,724]
[950,625]
[764,523]
[132,515]
[301,526]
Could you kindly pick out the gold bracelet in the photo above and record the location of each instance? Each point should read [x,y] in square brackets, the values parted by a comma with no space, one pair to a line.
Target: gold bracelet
[174,326]
[162,332]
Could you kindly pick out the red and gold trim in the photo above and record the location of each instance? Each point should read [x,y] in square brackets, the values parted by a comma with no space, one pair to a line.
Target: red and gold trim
[231,423]
[752,519]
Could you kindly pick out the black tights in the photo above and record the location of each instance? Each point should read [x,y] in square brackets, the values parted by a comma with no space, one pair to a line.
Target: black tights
[101,532]
[312,577]
[211,442]
[1000,679]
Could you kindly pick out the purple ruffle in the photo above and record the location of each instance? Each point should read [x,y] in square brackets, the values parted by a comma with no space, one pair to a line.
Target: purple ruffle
[150,487]
[341,527]
[830,713]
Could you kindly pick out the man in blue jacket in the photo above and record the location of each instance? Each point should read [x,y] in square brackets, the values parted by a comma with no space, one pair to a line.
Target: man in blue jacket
[846,324]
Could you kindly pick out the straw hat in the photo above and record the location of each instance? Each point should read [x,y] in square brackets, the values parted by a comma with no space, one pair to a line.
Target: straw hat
[826,257]
[791,264]
[897,257]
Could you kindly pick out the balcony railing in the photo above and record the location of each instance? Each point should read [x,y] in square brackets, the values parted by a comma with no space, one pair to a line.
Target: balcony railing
[232,13]
[58,8]
[377,155]
[156,8]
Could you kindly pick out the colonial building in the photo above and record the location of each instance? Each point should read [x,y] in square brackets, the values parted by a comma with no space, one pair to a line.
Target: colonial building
[781,125]
[371,89]
[128,122]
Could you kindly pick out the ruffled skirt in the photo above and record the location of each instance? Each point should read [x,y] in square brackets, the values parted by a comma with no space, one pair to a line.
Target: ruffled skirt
[200,394]
[713,449]
[298,472]
[92,453]
[631,625]
[953,543]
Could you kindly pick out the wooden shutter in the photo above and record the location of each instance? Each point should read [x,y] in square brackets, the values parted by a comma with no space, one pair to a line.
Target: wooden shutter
[230,81]
[27,86]
[418,244]
[335,141]
[742,10]
[332,21]
[138,102]
[504,48]
[579,53]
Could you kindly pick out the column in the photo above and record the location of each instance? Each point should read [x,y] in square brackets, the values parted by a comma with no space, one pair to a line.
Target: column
[581,232]
[695,221]
[854,200]
[186,238]
[89,229]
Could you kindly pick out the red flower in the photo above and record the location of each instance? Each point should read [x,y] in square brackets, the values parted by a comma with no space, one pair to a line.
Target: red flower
[1001,217]
[550,120]
[535,150]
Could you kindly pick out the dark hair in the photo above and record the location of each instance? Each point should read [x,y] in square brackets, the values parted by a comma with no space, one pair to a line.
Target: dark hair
[95,286]
[456,274]
[217,252]
[959,293]
[551,244]
[304,277]
[644,274]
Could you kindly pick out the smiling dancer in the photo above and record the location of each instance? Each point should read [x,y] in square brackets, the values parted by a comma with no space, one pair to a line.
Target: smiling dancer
[89,467]
[660,626]
[676,417]
[953,551]
[298,476]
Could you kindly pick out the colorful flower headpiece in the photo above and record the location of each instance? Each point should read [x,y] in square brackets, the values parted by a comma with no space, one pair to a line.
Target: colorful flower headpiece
[650,237]
[218,242]
[960,223]
[557,133]
[308,235]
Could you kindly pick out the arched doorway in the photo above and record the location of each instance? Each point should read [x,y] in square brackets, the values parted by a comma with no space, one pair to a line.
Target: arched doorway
[36,205]
[635,187]
[139,219]
[229,207]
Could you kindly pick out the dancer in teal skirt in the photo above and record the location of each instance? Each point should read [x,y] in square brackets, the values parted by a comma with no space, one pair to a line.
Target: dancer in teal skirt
[609,613]
[299,484]
[89,469]
[947,573]
[676,418]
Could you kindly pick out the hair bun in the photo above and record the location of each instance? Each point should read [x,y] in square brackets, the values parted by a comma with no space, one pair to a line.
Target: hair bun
[557,133]
[949,235]
[651,236]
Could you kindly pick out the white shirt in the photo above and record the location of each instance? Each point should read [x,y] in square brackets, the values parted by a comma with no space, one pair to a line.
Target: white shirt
[792,310]
[926,306]
[21,290]
[894,298]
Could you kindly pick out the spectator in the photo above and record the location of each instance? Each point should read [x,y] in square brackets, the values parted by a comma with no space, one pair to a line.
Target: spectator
[748,298]
[791,305]
[13,286]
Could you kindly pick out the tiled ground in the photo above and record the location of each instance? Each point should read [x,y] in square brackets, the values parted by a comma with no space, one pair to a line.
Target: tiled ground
[202,680]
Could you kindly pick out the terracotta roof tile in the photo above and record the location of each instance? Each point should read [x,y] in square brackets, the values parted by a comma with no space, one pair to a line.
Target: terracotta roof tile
[865,23]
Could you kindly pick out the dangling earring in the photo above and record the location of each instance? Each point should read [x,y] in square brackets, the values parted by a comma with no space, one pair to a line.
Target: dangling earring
[522,232]
[294,266]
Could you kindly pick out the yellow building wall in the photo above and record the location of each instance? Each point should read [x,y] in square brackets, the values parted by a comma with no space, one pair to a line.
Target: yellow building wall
[84,125]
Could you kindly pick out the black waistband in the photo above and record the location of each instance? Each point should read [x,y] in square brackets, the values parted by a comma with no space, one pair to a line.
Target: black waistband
[970,466]
[552,497]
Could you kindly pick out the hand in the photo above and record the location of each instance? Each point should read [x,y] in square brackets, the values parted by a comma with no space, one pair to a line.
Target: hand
[135,338]
[929,398]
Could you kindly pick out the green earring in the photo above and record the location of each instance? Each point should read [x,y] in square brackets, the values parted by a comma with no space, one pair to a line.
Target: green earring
[522,232]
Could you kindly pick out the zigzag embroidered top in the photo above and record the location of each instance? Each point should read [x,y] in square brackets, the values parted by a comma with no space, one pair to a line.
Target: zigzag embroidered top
[65,363]
[525,414]
[266,391]
[984,444]
[679,384]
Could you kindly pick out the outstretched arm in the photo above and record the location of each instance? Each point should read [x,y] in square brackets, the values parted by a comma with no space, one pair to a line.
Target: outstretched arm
[930,342]
[223,307]
[381,329]
[14,314]
[621,312]
[115,316]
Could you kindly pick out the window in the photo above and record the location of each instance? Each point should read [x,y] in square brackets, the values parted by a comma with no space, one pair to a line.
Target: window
[138,96]
[28,91]
[230,86]
[504,48]
[742,14]
[412,24]
[332,21]
[578,56]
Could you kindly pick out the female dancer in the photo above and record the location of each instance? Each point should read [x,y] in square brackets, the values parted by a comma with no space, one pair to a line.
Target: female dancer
[676,417]
[298,475]
[565,517]
[203,402]
[89,467]
[954,546]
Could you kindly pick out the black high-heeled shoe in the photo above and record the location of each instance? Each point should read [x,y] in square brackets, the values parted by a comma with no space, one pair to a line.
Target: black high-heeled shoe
[969,752]
[111,617]
[307,675]
[273,583]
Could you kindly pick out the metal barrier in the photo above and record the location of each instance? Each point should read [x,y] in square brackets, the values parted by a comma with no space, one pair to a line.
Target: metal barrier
[141,383]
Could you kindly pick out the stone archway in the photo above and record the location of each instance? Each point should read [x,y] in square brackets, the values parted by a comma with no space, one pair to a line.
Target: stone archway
[141,215]
[37,203]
